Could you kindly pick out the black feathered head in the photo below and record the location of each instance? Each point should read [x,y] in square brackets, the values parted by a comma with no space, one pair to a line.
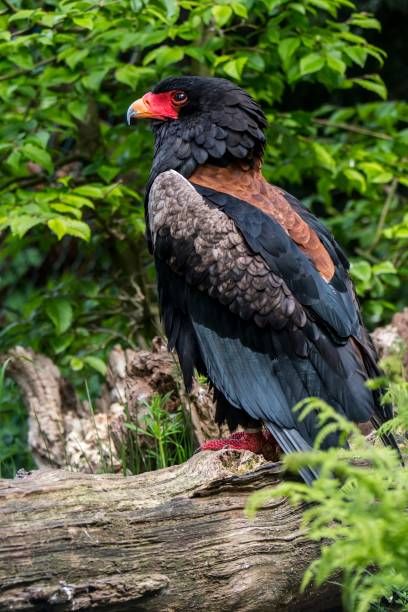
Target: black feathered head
[198,120]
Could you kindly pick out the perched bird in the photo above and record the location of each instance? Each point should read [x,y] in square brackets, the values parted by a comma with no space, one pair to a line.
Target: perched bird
[254,291]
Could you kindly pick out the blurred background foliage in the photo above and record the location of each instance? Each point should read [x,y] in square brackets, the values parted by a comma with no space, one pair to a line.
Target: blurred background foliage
[75,277]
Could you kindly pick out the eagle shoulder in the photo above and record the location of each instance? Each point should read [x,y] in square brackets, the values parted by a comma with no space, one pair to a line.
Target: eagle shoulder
[203,244]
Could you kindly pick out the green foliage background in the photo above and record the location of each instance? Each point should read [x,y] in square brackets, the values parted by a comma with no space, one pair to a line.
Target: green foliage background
[75,277]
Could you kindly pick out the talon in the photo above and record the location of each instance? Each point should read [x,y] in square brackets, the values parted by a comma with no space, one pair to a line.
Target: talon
[259,442]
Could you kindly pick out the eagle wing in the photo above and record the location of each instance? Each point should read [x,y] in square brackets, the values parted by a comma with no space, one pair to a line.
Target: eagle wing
[244,305]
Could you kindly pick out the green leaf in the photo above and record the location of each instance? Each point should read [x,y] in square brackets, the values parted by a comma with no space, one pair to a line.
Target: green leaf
[14,160]
[361,270]
[399,230]
[59,310]
[256,62]
[76,200]
[89,191]
[24,14]
[323,156]
[376,173]
[164,56]
[363,20]
[311,63]
[19,225]
[61,343]
[384,267]
[76,57]
[357,54]
[49,20]
[234,68]
[286,49]
[86,21]
[222,14]
[93,80]
[107,173]
[38,155]
[96,363]
[64,208]
[171,7]
[128,74]
[299,8]
[23,59]
[355,178]
[336,64]
[377,86]
[78,109]
[240,9]
[61,226]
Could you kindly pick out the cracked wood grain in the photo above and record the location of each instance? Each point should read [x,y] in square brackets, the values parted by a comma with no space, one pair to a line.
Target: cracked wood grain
[172,540]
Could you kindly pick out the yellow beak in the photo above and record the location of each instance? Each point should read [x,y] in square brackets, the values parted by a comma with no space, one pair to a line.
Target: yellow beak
[140,109]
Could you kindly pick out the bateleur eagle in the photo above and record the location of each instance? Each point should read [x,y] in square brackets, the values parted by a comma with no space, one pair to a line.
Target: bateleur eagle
[254,291]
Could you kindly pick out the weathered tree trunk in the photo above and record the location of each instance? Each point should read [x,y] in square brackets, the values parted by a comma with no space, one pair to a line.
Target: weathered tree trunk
[172,540]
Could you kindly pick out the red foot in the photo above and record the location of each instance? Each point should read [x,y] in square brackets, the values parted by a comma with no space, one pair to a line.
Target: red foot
[257,442]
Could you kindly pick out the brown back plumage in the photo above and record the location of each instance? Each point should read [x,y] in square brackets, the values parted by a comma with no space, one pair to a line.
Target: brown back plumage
[249,185]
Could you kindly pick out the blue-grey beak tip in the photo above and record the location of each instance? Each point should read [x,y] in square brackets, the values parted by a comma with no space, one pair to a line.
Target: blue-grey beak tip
[129,115]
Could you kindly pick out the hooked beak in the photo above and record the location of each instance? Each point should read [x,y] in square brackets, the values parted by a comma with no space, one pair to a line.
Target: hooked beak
[140,109]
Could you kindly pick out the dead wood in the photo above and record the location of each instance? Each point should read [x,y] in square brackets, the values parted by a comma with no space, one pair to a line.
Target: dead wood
[171,540]
[67,432]
[393,338]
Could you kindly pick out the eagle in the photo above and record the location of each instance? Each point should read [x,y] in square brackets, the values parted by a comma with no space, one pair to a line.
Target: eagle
[254,291]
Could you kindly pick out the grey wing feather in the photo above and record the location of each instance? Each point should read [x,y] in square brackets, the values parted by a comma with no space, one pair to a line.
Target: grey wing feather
[203,244]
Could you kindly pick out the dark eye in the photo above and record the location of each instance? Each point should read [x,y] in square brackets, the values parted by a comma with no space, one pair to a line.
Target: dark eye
[179,98]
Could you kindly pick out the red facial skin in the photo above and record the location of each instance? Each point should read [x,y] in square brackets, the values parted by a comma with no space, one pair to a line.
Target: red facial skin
[156,106]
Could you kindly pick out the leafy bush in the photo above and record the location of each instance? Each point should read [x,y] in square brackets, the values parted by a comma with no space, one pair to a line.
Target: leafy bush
[357,509]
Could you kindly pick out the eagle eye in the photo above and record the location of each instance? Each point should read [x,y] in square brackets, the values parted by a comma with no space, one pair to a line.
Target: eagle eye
[179,98]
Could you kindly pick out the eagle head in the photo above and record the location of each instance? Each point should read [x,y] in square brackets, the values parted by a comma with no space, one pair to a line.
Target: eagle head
[198,120]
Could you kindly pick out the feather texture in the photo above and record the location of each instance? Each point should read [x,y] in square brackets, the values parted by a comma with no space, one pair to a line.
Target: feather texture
[232,310]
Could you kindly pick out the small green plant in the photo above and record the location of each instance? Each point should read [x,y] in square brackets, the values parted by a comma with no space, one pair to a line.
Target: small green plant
[357,509]
[163,438]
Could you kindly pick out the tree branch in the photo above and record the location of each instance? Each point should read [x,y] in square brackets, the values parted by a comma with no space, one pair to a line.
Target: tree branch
[10,6]
[16,73]
[352,128]
[384,212]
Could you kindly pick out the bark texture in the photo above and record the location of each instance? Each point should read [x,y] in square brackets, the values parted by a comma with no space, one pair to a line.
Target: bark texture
[172,540]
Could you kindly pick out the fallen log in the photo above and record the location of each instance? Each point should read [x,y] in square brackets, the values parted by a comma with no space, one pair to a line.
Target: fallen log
[172,540]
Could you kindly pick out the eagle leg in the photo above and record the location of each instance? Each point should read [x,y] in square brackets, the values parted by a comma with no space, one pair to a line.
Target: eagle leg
[258,442]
